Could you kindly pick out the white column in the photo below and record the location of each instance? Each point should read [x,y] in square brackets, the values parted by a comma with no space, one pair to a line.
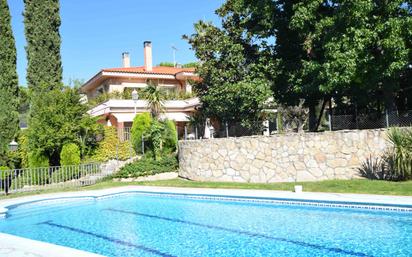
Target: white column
[266,131]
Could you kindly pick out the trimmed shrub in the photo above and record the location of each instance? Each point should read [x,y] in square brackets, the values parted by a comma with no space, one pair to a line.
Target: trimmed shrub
[37,160]
[111,148]
[70,155]
[148,166]
[170,136]
[156,138]
[141,127]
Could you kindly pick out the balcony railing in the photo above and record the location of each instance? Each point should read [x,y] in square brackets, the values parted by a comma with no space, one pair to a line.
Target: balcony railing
[124,134]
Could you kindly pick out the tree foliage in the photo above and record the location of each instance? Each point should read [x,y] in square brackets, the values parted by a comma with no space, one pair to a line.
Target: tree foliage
[170,136]
[41,24]
[57,116]
[156,138]
[159,136]
[8,81]
[357,52]
[60,118]
[37,160]
[167,64]
[233,88]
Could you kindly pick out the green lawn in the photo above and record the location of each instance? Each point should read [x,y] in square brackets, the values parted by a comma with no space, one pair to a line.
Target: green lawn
[335,186]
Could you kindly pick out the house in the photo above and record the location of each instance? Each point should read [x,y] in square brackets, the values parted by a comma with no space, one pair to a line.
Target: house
[120,112]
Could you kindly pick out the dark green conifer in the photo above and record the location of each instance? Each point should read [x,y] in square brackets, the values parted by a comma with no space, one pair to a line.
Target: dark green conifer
[9,117]
[42,23]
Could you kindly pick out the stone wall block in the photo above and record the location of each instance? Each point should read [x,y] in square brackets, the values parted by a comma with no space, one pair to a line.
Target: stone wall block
[282,157]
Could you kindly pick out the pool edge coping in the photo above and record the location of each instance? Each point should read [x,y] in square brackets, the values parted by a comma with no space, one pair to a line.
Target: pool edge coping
[334,198]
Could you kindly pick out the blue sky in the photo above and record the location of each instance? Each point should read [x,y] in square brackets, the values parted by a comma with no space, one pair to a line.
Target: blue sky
[96,32]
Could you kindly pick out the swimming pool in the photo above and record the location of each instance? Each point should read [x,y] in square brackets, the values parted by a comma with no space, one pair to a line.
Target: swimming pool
[141,224]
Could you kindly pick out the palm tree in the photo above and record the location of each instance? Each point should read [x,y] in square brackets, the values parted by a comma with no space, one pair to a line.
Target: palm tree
[401,155]
[155,98]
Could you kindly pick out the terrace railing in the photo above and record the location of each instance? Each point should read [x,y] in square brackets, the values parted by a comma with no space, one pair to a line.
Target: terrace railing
[371,120]
[35,179]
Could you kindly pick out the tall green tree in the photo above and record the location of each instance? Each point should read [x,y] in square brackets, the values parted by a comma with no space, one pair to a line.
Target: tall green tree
[60,119]
[356,51]
[365,47]
[282,46]
[54,111]
[42,23]
[9,89]
[233,87]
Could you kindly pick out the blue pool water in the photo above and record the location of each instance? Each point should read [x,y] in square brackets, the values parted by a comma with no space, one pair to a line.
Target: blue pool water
[144,225]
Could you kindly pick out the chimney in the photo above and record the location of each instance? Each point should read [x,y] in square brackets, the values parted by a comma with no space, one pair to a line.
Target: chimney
[148,65]
[126,60]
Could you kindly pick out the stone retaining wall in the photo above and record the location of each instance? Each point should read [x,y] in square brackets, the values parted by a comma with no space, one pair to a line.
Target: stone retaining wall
[280,158]
[113,166]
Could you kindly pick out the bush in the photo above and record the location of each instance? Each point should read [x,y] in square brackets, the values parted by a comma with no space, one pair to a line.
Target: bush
[376,168]
[156,138]
[111,148]
[23,149]
[37,160]
[141,127]
[148,166]
[70,155]
[395,164]
[401,155]
[4,172]
[170,136]
[160,136]
[14,160]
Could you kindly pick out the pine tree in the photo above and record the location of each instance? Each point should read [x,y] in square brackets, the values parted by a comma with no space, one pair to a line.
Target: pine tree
[8,80]
[42,23]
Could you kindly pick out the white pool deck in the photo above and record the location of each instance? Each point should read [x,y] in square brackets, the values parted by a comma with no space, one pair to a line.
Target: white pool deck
[12,246]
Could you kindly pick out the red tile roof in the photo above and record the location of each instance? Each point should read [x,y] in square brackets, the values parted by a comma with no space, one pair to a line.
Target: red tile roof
[156,70]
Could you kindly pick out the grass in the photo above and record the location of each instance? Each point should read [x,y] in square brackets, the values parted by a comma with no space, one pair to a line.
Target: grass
[361,186]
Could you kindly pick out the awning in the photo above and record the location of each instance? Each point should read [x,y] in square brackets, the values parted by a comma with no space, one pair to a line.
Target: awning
[176,116]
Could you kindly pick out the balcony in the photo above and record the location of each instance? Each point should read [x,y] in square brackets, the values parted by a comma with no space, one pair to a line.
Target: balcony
[127,95]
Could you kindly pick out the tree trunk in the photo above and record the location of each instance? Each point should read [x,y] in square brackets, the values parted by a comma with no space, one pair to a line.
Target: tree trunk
[312,116]
[325,100]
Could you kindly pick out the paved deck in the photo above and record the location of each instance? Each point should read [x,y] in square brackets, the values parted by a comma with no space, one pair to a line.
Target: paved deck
[13,246]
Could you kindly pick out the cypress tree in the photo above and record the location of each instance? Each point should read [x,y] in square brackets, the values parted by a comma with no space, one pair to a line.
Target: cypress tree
[44,78]
[42,23]
[9,116]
